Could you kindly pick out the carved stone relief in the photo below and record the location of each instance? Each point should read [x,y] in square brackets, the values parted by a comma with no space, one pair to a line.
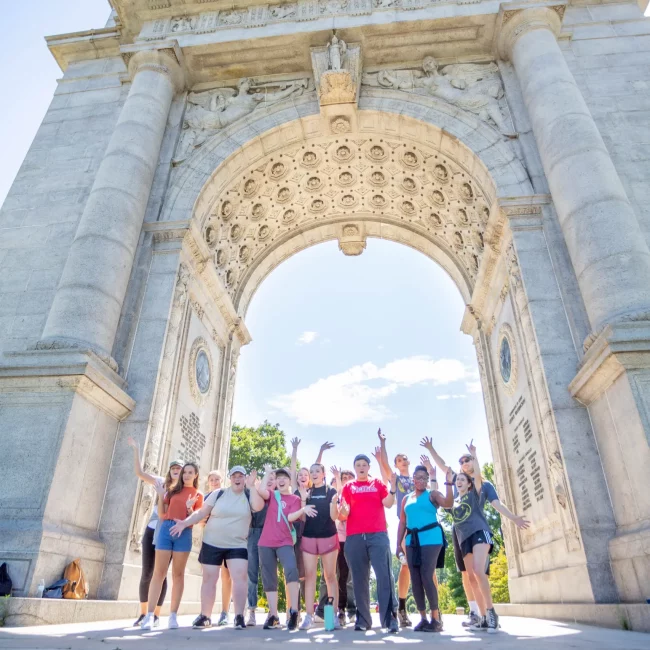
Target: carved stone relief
[337,72]
[472,87]
[330,179]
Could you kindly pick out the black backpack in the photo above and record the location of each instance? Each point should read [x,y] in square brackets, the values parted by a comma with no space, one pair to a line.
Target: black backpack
[5,581]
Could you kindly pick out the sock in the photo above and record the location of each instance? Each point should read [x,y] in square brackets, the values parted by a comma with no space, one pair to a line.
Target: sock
[473,607]
[402,604]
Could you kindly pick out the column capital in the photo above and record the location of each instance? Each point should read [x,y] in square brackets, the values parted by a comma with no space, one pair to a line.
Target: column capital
[518,18]
[165,58]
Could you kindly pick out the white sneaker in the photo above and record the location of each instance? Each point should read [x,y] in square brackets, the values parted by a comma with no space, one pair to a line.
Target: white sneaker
[147,622]
[172,623]
[337,623]
[318,619]
[307,622]
[251,621]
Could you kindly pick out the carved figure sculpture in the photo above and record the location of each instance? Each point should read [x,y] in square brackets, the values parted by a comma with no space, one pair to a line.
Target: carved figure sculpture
[208,112]
[475,88]
[336,51]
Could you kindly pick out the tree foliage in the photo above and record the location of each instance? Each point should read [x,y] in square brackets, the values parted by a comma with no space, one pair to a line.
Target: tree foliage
[499,578]
[254,447]
[491,515]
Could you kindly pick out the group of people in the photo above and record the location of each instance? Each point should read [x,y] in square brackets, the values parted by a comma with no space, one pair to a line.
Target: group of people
[295,518]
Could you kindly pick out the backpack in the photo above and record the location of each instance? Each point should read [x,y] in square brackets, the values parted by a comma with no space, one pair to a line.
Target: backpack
[5,581]
[77,585]
[247,492]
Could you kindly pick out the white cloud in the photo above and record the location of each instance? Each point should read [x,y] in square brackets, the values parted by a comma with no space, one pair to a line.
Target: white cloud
[348,397]
[307,337]
[450,396]
[473,387]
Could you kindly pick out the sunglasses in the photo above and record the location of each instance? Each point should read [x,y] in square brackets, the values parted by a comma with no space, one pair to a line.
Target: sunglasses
[465,459]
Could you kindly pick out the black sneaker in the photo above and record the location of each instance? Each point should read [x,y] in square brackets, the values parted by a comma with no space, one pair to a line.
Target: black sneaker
[422,626]
[481,625]
[492,621]
[201,622]
[240,623]
[393,627]
[292,623]
[272,623]
[404,620]
[435,625]
[140,619]
[472,620]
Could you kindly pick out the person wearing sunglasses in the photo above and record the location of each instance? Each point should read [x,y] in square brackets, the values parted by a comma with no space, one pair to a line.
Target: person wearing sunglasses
[486,493]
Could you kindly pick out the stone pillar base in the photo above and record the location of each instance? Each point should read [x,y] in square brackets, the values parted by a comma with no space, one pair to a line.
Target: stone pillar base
[59,413]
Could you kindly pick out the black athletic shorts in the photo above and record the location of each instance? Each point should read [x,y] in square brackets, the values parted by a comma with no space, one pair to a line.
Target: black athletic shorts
[459,554]
[216,556]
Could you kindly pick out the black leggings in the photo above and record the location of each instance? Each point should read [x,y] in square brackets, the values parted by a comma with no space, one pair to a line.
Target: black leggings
[344,573]
[422,576]
[148,561]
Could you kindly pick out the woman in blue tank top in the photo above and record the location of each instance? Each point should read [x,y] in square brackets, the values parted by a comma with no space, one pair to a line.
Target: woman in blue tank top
[418,520]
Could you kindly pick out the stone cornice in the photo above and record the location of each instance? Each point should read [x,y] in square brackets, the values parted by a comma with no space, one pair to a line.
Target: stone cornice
[84,46]
[199,256]
[619,347]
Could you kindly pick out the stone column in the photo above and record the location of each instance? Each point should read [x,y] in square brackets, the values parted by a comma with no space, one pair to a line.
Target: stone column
[87,304]
[607,248]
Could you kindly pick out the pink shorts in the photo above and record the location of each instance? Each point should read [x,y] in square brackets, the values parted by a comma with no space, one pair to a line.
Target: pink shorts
[319,545]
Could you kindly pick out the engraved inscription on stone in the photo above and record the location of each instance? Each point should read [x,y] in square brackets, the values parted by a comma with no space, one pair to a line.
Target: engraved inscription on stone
[529,471]
[192,440]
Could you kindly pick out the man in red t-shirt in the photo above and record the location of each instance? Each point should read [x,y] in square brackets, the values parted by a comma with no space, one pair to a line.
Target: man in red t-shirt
[362,506]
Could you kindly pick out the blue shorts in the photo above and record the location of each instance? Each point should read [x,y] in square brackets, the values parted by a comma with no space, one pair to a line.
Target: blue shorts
[165,541]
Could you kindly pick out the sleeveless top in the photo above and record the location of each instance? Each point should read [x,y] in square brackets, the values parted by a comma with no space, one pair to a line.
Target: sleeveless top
[420,512]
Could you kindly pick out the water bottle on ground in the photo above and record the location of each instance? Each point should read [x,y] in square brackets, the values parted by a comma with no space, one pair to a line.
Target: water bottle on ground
[41,588]
[329,614]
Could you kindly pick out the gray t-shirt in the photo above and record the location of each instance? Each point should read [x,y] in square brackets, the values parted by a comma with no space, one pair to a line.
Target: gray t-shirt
[467,511]
[404,485]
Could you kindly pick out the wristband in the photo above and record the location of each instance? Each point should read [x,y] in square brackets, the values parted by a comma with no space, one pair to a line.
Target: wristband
[448,483]
[393,492]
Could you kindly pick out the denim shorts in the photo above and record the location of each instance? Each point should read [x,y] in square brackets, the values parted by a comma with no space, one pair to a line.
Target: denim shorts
[165,541]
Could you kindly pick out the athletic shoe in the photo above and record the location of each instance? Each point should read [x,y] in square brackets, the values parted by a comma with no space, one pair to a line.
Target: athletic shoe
[240,623]
[201,622]
[139,621]
[337,624]
[272,623]
[435,626]
[342,619]
[472,620]
[156,621]
[492,621]
[393,627]
[318,619]
[307,622]
[147,622]
[481,625]
[172,622]
[422,626]
[251,621]
[292,622]
[223,619]
[404,620]
[360,628]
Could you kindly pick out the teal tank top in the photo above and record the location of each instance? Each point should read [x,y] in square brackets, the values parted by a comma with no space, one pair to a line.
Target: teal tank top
[420,512]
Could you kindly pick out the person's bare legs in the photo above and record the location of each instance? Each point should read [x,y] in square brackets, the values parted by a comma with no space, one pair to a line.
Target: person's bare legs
[311,565]
[179,561]
[476,590]
[329,569]
[403,581]
[226,589]
[480,555]
[239,583]
[435,613]
[272,600]
[294,591]
[467,586]
[159,572]
[209,588]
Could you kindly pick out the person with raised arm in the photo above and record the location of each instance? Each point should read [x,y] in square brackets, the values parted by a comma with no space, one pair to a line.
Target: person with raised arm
[424,541]
[362,506]
[175,504]
[229,513]
[254,533]
[276,544]
[148,543]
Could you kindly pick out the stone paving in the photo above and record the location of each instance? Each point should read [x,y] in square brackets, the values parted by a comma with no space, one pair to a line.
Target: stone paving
[533,634]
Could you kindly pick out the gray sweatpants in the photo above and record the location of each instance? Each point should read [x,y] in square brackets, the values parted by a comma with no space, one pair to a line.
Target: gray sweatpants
[363,551]
[422,576]
[269,558]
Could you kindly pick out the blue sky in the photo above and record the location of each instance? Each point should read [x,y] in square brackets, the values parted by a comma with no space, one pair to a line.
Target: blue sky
[341,345]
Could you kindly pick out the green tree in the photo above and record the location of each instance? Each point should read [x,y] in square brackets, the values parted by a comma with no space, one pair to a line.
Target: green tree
[499,578]
[254,447]
[491,515]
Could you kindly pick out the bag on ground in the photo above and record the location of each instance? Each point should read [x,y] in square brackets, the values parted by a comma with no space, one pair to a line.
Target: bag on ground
[77,586]
[5,581]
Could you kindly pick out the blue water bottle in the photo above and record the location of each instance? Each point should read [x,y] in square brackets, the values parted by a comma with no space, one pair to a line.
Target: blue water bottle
[329,614]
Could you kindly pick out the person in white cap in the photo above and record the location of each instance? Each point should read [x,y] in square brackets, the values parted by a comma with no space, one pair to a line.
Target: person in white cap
[225,539]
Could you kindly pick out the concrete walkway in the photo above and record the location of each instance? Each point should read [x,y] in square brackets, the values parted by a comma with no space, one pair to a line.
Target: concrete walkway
[533,634]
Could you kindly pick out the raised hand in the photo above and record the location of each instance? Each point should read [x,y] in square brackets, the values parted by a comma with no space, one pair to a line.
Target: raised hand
[377,454]
[520,522]
[393,482]
[381,436]
[325,446]
[295,442]
[336,472]
[268,468]
[191,501]
[449,478]
[159,487]
[310,511]
[424,460]
[251,478]
[471,448]
[427,443]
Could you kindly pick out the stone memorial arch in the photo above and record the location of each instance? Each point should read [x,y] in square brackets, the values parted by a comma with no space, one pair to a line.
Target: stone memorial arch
[191,148]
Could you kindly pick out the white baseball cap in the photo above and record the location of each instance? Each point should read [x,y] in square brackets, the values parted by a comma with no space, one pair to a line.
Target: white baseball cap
[237,468]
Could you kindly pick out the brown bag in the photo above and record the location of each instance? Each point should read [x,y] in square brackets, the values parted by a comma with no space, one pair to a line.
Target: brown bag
[77,585]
